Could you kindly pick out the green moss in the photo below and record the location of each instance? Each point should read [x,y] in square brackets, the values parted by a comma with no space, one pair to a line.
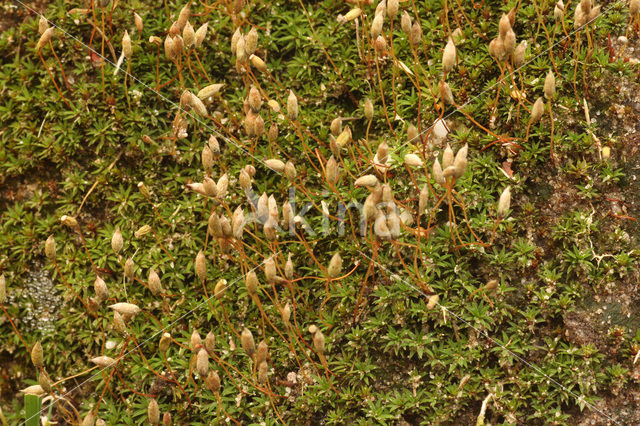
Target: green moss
[559,253]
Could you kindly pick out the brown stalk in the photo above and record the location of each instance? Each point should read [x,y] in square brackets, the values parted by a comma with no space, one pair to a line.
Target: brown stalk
[53,80]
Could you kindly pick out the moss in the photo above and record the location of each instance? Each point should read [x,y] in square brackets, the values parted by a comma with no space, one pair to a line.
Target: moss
[541,343]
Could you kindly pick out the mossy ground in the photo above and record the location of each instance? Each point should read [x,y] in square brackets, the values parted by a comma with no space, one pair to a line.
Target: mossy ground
[554,344]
